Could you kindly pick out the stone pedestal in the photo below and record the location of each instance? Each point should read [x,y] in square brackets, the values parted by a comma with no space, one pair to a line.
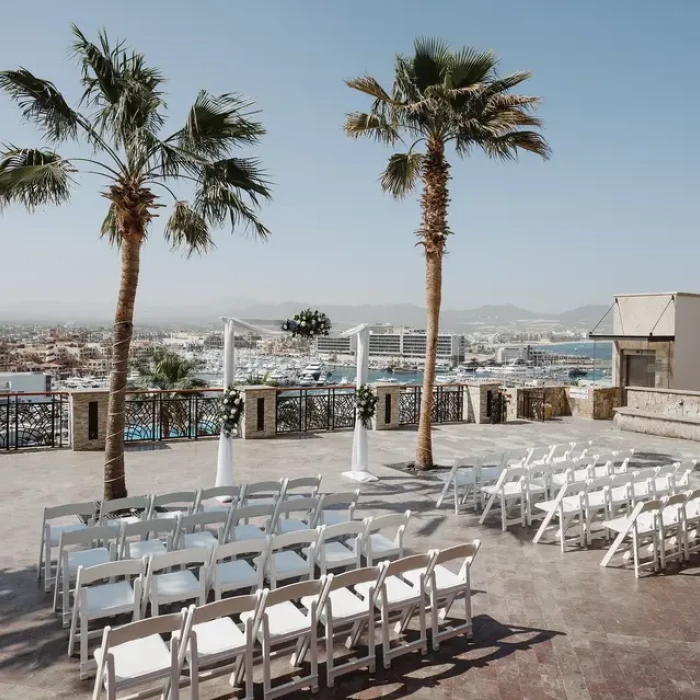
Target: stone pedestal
[388,400]
[88,419]
[477,400]
[260,412]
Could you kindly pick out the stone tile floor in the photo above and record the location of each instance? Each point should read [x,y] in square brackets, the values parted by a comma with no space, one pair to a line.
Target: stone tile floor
[547,625]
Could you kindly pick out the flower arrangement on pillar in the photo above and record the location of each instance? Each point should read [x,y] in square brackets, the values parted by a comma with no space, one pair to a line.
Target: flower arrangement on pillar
[365,404]
[308,324]
[230,411]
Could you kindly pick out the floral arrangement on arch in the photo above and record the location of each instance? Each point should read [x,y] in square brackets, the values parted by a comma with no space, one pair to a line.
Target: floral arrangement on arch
[231,410]
[365,404]
[308,324]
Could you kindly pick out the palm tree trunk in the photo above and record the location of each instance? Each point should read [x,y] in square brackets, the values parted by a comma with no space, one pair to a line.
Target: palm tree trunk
[114,476]
[433,233]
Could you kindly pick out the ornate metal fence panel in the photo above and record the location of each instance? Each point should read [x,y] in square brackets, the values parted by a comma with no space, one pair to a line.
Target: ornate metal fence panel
[34,420]
[171,416]
[409,406]
[496,406]
[531,404]
[447,404]
[309,410]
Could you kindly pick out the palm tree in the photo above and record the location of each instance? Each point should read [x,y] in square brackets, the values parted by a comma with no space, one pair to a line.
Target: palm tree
[123,116]
[441,97]
[169,371]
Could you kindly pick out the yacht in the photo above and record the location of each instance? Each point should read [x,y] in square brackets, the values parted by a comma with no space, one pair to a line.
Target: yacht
[314,368]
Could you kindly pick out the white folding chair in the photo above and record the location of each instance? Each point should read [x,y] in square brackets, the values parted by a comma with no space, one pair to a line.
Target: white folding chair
[218,498]
[340,546]
[510,489]
[130,510]
[306,510]
[681,478]
[238,565]
[444,587]
[169,505]
[263,492]
[240,527]
[461,479]
[179,585]
[564,509]
[642,486]
[672,529]
[51,533]
[572,471]
[692,523]
[292,555]
[340,606]
[398,594]
[329,515]
[218,645]
[136,654]
[664,482]
[303,487]
[538,455]
[106,599]
[562,452]
[76,548]
[596,504]
[192,531]
[284,624]
[146,537]
[375,545]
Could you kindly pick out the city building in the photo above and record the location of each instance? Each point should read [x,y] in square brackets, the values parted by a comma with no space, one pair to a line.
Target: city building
[656,340]
[26,383]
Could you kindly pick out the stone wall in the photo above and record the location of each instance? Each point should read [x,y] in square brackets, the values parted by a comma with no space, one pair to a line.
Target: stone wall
[392,394]
[596,403]
[475,401]
[82,403]
[259,418]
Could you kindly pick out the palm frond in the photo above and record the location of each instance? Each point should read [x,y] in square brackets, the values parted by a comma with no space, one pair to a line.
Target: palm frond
[242,174]
[431,62]
[216,124]
[507,146]
[41,103]
[32,177]
[401,173]
[109,228]
[188,229]
[374,126]
[469,67]
[370,86]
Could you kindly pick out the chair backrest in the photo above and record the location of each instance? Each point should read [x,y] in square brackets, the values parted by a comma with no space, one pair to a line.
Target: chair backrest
[412,562]
[234,550]
[189,523]
[146,528]
[309,484]
[298,505]
[293,539]
[128,568]
[86,509]
[184,499]
[538,454]
[622,455]
[366,574]
[180,557]
[465,462]
[163,624]
[349,498]
[666,470]
[601,483]
[234,493]
[295,591]
[381,522]
[562,451]
[469,550]
[264,489]
[92,536]
[351,527]
[649,506]
[227,607]
[515,456]
[570,488]
[512,473]
[262,510]
[621,479]
[129,503]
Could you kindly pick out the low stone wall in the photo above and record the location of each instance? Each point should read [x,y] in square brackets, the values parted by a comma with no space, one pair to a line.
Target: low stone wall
[596,403]
[666,412]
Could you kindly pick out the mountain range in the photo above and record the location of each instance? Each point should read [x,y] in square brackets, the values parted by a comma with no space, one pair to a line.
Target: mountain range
[585,317]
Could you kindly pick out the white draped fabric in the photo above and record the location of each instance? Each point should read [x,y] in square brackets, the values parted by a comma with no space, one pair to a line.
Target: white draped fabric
[360,453]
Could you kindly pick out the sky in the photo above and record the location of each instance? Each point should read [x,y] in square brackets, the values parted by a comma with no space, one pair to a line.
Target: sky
[611,212]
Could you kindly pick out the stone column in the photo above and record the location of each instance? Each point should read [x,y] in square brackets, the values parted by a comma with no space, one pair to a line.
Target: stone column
[388,399]
[88,419]
[260,413]
[475,401]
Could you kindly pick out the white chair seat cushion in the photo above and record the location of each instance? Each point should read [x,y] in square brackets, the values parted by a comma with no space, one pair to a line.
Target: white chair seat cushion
[87,557]
[344,604]
[144,548]
[444,578]
[334,517]
[510,488]
[569,504]
[140,657]
[397,590]
[641,488]
[645,524]
[285,525]
[237,574]
[289,564]
[109,596]
[171,513]
[380,545]
[462,477]
[217,637]
[284,619]
[195,540]
[116,522]
[246,531]
[577,475]
[55,531]
[337,554]
[176,585]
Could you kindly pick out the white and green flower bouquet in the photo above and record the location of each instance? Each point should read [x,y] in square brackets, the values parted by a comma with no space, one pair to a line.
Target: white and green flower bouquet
[308,324]
[230,411]
[365,404]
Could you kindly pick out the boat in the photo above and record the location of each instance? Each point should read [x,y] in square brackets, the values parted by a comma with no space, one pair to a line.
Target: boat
[576,372]
[314,369]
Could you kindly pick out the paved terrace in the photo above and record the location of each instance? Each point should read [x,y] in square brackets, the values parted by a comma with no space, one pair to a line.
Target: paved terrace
[547,625]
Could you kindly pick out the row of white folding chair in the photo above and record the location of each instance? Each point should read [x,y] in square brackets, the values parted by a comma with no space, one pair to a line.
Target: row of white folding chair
[209,642]
[666,529]
[51,530]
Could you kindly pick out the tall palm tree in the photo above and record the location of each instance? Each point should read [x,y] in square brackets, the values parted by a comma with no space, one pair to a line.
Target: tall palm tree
[439,98]
[122,118]
[169,371]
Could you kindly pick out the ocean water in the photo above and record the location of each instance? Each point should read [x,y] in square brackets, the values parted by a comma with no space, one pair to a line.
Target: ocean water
[597,349]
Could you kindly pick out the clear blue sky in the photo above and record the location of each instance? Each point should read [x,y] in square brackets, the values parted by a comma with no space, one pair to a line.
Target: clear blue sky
[611,212]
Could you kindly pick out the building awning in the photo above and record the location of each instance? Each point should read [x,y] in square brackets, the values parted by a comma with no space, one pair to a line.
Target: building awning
[620,336]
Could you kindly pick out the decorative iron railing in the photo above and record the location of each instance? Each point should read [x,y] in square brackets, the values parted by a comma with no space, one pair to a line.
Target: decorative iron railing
[305,410]
[171,415]
[34,420]
[447,404]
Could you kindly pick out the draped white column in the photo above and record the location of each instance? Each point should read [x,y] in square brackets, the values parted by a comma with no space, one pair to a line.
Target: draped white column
[360,453]
[224,462]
